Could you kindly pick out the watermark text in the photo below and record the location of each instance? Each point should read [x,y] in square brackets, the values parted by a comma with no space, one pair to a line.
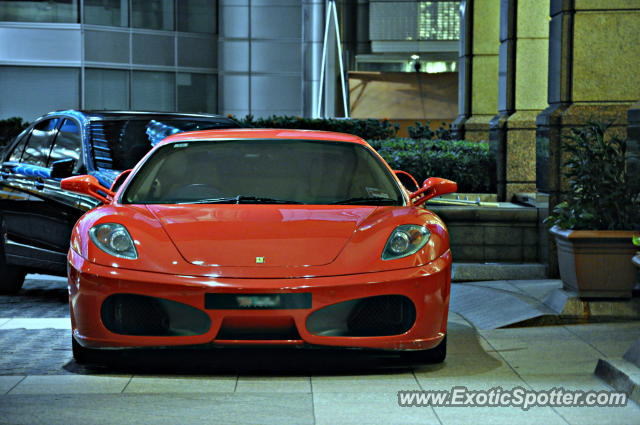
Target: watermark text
[515,397]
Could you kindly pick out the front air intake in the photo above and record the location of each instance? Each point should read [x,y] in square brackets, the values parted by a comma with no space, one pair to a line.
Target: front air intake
[132,314]
[382,315]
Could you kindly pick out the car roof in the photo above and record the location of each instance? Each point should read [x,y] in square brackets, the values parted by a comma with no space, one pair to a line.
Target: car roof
[124,114]
[264,134]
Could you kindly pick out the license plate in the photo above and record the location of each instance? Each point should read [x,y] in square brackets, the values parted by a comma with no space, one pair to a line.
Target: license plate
[282,301]
[258,301]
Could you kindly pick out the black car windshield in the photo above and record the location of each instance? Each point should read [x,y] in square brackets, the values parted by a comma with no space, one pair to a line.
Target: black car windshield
[118,144]
[263,171]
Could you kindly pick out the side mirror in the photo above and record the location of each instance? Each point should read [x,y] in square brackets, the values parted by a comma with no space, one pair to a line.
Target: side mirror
[405,178]
[62,168]
[432,187]
[87,185]
[119,180]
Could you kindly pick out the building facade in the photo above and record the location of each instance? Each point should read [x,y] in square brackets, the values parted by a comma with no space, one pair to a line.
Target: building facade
[221,56]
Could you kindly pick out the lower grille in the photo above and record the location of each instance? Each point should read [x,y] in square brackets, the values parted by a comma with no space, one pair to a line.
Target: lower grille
[382,315]
[133,314]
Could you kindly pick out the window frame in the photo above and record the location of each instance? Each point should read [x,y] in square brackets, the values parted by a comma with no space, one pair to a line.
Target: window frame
[80,162]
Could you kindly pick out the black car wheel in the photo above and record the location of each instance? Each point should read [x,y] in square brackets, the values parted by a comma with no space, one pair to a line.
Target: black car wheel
[11,277]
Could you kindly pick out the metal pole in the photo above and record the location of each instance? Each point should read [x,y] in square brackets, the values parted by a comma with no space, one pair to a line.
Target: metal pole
[324,54]
[338,40]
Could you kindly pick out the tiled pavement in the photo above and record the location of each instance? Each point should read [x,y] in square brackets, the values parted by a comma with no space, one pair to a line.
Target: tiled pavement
[40,383]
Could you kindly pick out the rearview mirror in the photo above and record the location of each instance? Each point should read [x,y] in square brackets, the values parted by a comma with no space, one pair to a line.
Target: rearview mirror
[432,187]
[87,185]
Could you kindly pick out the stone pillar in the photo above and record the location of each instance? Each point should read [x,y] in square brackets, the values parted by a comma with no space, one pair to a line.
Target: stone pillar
[521,93]
[594,55]
[464,68]
[479,51]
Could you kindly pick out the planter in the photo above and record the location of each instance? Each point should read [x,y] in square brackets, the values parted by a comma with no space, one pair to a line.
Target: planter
[596,263]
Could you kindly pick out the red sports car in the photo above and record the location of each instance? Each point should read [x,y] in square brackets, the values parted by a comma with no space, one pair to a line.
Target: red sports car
[275,237]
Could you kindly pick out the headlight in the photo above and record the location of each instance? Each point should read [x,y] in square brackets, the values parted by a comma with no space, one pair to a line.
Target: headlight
[405,240]
[114,239]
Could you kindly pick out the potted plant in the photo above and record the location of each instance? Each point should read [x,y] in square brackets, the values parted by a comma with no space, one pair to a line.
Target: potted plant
[593,226]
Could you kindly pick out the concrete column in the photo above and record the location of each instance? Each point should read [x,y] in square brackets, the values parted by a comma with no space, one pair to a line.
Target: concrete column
[464,68]
[484,68]
[594,55]
[521,93]
[312,34]
[260,57]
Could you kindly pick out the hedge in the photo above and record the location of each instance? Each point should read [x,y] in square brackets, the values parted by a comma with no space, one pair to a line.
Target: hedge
[470,164]
[368,129]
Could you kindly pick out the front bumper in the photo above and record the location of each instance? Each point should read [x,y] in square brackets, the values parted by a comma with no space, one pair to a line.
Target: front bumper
[427,287]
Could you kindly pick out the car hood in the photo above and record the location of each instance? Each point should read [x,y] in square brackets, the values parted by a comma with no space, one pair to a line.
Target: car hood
[249,235]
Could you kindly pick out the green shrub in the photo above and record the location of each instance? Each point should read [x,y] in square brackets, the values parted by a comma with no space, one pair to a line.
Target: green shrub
[470,164]
[10,128]
[599,196]
[420,131]
[369,129]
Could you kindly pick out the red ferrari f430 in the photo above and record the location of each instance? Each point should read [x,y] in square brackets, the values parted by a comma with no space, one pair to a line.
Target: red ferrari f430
[274,237]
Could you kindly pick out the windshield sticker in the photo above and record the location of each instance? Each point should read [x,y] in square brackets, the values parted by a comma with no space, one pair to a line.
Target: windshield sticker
[374,192]
[180,145]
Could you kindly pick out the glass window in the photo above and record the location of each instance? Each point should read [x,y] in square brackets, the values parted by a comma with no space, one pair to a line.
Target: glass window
[106,46]
[439,20]
[153,91]
[39,145]
[197,16]
[129,140]
[39,10]
[113,13]
[197,93]
[295,171]
[197,51]
[17,151]
[106,89]
[153,49]
[152,14]
[68,144]
[49,89]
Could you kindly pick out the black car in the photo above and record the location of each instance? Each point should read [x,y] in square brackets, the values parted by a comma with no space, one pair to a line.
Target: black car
[36,216]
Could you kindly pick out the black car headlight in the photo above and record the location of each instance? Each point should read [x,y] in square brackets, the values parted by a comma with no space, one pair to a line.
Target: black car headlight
[114,239]
[405,240]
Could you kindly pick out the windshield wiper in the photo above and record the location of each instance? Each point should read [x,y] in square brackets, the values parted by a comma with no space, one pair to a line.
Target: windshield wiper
[366,201]
[241,199]
[244,199]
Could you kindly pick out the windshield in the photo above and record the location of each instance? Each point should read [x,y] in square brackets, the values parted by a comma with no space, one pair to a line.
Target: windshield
[120,144]
[263,171]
